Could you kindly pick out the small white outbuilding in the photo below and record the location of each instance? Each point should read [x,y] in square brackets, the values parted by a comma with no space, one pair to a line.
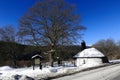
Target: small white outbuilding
[90,57]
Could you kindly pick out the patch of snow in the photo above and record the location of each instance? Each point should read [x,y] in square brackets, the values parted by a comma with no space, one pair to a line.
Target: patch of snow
[115,61]
[5,68]
[68,64]
[37,55]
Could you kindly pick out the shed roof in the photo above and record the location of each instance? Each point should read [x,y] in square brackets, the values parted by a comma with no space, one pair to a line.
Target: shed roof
[36,56]
[90,53]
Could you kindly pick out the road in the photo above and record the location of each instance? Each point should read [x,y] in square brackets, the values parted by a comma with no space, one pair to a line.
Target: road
[117,77]
[105,73]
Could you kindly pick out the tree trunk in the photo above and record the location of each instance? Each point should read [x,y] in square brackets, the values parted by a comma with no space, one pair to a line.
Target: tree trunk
[14,60]
[51,59]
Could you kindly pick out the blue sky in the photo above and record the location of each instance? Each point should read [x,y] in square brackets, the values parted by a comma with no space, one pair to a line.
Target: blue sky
[12,10]
[101,17]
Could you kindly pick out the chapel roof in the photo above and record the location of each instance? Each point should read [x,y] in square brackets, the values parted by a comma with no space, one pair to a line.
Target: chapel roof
[90,53]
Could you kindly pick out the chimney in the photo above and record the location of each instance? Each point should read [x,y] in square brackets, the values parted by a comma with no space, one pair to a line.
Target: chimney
[83,45]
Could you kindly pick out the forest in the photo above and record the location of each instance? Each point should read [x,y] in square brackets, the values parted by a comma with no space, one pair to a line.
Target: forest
[14,51]
[11,52]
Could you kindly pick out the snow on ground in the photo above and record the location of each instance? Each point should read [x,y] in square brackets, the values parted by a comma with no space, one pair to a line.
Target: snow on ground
[8,73]
[114,61]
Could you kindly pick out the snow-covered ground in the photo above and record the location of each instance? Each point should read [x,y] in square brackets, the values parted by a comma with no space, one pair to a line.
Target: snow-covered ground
[8,73]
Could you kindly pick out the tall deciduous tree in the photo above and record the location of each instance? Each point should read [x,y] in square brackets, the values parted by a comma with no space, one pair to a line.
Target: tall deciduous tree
[51,22]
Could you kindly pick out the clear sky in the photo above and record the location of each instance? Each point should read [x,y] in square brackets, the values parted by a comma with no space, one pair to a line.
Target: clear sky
[101,17]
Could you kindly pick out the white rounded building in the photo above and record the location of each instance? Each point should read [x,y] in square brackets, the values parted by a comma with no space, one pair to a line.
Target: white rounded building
[90,57]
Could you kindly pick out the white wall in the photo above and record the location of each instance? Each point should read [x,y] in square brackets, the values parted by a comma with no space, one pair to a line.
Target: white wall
[88,61]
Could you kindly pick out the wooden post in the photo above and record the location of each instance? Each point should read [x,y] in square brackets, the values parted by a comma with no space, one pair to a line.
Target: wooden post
[33,64]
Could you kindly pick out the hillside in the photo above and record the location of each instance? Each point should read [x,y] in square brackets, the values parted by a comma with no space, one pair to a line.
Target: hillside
[9,52]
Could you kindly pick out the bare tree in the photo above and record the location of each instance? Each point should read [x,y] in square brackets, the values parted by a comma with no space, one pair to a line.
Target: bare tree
[108,47]
[51,23]
[8,35]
